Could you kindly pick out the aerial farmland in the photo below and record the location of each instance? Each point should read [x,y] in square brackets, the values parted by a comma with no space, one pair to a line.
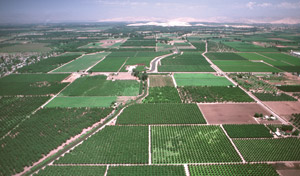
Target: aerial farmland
[115,99]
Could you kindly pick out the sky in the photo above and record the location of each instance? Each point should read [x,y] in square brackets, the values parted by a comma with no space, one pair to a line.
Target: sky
[52,11]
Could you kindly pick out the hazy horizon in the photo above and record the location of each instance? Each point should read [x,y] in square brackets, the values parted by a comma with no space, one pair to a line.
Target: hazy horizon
[239,11]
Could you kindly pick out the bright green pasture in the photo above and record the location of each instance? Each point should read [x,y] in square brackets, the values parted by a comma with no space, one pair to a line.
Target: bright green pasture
[244,66]
[99,86]
[82,63]
[247,47]
[205,79]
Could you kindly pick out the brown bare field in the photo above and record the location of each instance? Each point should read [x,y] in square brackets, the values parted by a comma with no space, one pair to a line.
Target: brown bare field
[284,108]
[236,113]
[280,39]
[160,81]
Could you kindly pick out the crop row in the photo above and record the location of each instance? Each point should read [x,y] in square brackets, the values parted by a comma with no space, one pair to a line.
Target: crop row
[282,149]
[161,114]
[15,109]
[42,132]
[32,84]
[213,94]
[48,64]
[289,88]
[165,94]
[247,131]
[296,120]
[99,86]
[191,144]
[114,170]
[114,144]
[233,169]
[274,97]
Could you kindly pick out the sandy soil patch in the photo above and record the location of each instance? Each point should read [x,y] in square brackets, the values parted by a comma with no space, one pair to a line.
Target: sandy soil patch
[280,39]
[71,78]
[259,44]
[294,172]
[124,99]
[160,81]
[284,46]
[284,108]
[236,113]
[121,76]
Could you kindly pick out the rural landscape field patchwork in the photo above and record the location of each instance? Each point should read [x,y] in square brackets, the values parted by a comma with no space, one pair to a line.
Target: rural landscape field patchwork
[111,99]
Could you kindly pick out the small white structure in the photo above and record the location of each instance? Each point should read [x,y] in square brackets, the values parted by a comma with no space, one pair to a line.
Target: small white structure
[267,117]
[278,133]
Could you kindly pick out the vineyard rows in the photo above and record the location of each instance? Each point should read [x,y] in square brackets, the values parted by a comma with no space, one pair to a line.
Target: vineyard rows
[191,144]
[161,114]
[165,94]
[247,131]
[113,145]
[42,132]
[213,94]
[282,149]
[233,169]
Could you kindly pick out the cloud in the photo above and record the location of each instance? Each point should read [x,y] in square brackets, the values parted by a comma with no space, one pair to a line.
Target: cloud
[289,5]
[121,3]
[252,5]
[283,5]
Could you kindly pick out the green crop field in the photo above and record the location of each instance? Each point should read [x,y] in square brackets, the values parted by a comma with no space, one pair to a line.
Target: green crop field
[99,86]
[28,47]
[283,61]
[146,171]
[187,62]
[161,114]
[32,84]
[289,88]
[244,66]
[213,94]
[110,64]
[233,169]
[272,97]
[114,144]
[191,144]
[72,170]
[185,68]
[77,102]
[48,64]
[224,56]
[283,149]
[42,132]
[200,80]
[142,59]
[160,81]
[139,43]
[15,109]
[248,131]
[248,47]
[165,94]
[82,63]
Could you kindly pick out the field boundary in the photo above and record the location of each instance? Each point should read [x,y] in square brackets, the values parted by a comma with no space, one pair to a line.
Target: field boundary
[149,144]
[33,112]
[66,64]
[174,81]
[236,149]
[186,170]
[106,170]
[96,63]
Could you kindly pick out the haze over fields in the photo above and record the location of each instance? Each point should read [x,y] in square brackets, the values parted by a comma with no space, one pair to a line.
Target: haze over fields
[246,11]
